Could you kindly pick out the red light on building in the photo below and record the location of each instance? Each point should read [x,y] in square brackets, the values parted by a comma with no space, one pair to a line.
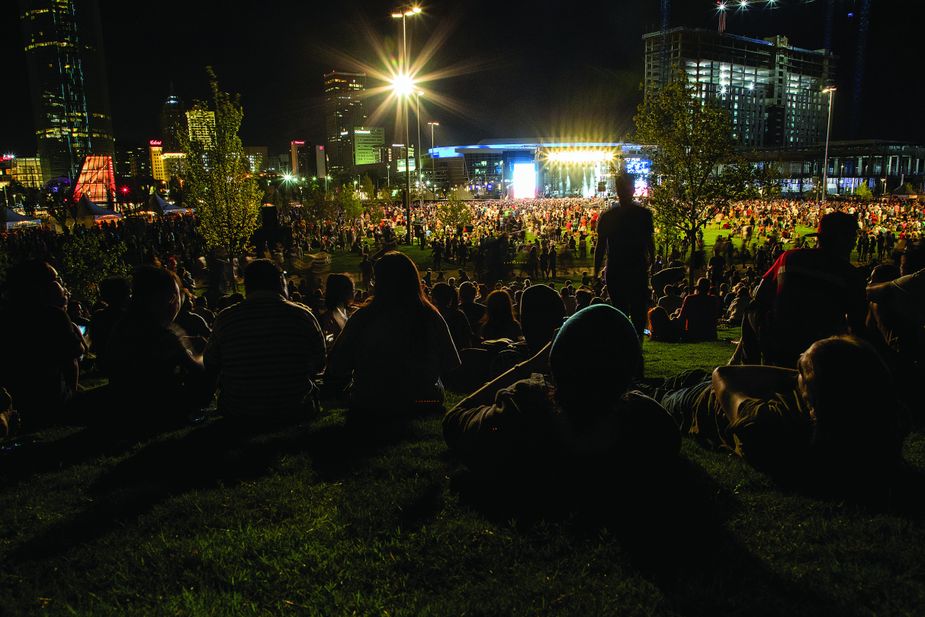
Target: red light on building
[298,142]
[124,190]
[155,142]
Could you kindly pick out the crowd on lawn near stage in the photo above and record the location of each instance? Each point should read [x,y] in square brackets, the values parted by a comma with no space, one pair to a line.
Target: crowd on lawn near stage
[821,387]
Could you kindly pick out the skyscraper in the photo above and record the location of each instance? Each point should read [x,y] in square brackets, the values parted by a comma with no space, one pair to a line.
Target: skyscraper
[772,90]
[201,124]
[173,122]
[70,98]
[343,111]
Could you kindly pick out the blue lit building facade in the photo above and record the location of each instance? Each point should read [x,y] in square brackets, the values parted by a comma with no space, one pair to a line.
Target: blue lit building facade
[537,167]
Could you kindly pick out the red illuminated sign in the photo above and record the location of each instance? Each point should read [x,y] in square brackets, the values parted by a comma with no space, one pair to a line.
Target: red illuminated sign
[298,142]
[155,142]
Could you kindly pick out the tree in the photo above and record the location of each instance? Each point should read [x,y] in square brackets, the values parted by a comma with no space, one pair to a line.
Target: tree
[863,192]
[87,260]
[218,182]
[348,204]
[58,200]
[695,172]
[453,213]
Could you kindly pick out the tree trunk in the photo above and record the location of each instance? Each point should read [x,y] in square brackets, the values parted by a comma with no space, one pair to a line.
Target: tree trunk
[692,240]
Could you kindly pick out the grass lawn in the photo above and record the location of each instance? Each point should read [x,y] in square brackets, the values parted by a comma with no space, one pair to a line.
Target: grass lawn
[312,521]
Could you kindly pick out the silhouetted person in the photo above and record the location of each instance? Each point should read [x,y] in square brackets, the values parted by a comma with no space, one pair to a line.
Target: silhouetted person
[626,238]
[266,351]
[582,417]
[395,349]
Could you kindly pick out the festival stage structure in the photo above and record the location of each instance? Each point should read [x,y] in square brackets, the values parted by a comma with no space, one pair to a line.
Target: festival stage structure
[524,168]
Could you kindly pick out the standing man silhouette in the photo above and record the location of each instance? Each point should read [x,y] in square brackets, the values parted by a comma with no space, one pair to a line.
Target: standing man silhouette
[626,237]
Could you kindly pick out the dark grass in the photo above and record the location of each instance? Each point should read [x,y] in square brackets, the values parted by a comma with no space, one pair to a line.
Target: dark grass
[317,520]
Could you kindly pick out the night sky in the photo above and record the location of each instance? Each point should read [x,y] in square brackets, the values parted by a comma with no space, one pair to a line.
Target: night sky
[542,68]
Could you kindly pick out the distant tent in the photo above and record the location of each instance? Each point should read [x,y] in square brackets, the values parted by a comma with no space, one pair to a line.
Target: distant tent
[12,220]
[159,205]
[89,213]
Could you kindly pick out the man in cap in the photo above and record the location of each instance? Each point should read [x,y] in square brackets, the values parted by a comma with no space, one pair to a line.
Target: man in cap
[807,295]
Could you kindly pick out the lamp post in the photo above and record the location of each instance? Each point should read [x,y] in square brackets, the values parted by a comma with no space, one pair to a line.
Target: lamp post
[433,164]
[403,85]
[417,149]
[825,163]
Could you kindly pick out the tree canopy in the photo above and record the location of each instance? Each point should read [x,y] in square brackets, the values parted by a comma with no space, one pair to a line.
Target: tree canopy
[694,168]
[219,184]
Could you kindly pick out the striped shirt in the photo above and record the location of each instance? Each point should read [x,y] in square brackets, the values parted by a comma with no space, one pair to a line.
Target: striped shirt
[266,351]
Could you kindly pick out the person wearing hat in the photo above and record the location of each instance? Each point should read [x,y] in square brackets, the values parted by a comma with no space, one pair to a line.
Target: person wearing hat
[807,295]
[570,404]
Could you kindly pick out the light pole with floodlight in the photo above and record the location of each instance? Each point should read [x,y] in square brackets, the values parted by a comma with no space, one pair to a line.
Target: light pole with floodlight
[403,86]
[433,164]
[825,163]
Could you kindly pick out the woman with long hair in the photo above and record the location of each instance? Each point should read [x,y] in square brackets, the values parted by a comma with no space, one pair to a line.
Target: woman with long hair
[499,321]
[393,351]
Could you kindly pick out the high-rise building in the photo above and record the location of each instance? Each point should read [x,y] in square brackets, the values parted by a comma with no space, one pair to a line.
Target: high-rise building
[256,158]
[70,98]
[772,90]
[343,110]
[27,170]
[156,148]
[367,144]
[173,122]
[132,162]
[201,125]
[299,157]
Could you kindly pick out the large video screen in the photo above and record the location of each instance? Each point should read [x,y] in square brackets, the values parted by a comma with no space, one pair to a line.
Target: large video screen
[524,180]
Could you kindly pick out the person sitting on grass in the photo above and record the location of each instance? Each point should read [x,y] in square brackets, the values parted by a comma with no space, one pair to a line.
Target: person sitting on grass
[833,422]
[467,304]
[499,321]
[39,364]
[338,305]
[444,298]
[699,313]
[266,351]
[156,381]
[393,351]
[569,404]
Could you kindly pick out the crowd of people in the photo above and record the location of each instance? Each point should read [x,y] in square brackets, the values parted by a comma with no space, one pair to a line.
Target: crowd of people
[821,383]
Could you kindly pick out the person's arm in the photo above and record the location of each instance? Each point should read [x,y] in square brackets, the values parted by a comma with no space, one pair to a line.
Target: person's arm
[601,249]
[734,384]
[539,363]
[341,360]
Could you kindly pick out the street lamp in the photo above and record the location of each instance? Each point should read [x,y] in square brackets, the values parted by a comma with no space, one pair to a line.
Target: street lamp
[825,163]
[417,150]
[403,86]
[433,164]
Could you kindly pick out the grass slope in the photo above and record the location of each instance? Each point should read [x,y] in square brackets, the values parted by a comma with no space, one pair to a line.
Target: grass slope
[314,521]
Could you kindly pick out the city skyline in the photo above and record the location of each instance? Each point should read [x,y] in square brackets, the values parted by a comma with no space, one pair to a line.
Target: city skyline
[541,74]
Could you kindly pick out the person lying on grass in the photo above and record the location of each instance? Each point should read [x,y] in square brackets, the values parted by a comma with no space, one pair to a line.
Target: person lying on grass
[834,421]
[569,404]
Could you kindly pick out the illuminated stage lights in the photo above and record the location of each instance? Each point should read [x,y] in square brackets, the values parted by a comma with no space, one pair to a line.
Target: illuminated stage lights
[580,157]
[524,181]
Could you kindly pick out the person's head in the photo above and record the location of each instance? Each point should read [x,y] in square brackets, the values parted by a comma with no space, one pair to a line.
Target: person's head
[837,233]
[849,390]
[397,283]
[444,296]
[626,186]
[499,308]
[883,273]
[703,286]
[35,283]
[541,313]
[583,298]
[338,291]
[913,259]
[115,291]
[467,292]
[156,294]
[593,359]
[264,275]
